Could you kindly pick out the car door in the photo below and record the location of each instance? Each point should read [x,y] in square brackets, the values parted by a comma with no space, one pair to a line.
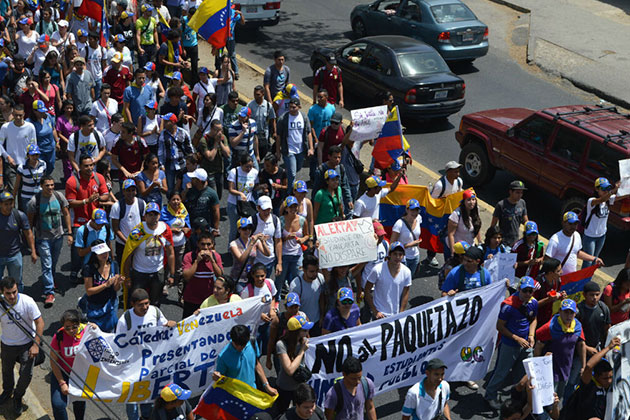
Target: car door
[413,20]
[376,68]
[521,153]
[382,18]
[349,59]
[562,165]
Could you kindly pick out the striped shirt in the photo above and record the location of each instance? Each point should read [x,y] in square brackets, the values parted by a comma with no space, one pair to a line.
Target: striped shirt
[31,178]
[247,142]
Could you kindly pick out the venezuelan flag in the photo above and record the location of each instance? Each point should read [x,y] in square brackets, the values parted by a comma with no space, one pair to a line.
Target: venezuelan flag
[212,21]
[231,399]
[389,145]
[434,212]
[92,9]
[573,285]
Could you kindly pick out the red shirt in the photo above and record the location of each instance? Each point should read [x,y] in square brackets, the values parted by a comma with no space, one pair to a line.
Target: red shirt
[27,100]
[201,285]
[69,346]
[131,155]
[330,138]
[525,253]
[330,81]
[83,214]
[619,316]
[118,80]
[545,312]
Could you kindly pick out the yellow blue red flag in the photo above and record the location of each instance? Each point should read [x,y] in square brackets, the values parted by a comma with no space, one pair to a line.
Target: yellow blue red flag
[573,285]
[389,145]
[212,21]
[231,399]
[434,212]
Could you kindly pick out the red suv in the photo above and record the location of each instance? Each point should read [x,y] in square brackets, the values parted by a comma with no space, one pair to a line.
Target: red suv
[562,150]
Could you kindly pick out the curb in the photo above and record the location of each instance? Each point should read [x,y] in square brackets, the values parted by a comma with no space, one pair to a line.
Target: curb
[511,5]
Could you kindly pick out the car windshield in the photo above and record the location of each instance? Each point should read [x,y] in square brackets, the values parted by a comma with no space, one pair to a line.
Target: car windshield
[413,64]
[455,12]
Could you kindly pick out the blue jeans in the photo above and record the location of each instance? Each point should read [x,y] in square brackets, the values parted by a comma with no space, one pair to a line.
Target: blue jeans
[354,191]
[49,158]
[97,87]
[510,358]
[132,411]
[59,401]
[271,268]
[76,261]
[592,246]
[49,250]
[412,265]
[290,270]
[292,164]
[14,268]
[233,217]
[171,177]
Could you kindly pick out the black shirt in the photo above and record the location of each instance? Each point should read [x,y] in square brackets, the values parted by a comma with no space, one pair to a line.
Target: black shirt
[591,401]
[266,179]
[594,322]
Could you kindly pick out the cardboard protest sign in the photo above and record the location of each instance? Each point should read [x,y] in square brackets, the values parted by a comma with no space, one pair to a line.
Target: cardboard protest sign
[367,123]
[346,242]
[540,373]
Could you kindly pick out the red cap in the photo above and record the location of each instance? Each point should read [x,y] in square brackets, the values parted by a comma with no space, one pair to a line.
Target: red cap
[378,228]
[468,194]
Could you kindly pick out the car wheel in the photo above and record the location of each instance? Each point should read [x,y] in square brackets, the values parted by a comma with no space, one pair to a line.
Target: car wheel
[476,166]
[358,27]
[574,204]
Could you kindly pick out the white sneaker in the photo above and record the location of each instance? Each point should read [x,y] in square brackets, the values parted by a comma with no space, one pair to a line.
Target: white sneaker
[434,262]
[165,290]
[472,385]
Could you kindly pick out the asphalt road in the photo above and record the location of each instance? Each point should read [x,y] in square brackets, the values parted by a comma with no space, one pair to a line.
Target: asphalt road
[494,81]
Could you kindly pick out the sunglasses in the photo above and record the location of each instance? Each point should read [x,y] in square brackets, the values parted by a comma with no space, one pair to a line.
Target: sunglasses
[527,290]
[347,302]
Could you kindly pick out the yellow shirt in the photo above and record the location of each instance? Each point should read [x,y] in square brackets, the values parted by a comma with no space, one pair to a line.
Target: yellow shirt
[212,301]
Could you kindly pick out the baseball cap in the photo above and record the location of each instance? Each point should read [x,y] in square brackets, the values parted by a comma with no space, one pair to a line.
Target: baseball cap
[293,299]
[152,105]
[378,228]
[243,223]
[117,57]
[199,174]
[176,76]
[331,59]
[435,364]
[527,281]
[245,112]
[461,247]
[99,216]
[345,293]
[40,106]
[152,207]
[336,118]
[468,194]
[290,201]
[413,204]
[570,217]
[126,14]
[295,100]
[5,196]
[204,70]
[78,60]
[146,8]
[172,392]
[170,117]
[395,245]
[517,185]
[82,32]
[99,249]
[300,186]
[25,21]
[264,202]
[32,149]
[569,305]
[374,181]
[299,322]
[128,183]
[531,227]
[43,38]
[602,183]
[291,90]
[331,173]
[452,165]
[119,38]
[63,22]
[200,223]
[474,253]
[150,66]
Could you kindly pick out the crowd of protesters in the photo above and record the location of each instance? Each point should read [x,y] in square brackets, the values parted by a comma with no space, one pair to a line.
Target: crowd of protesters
[149,142]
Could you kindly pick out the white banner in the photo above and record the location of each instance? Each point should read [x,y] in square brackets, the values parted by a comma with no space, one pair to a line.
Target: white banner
[460,330]
[367,123]
[134,366]
[346,242]
[618,403]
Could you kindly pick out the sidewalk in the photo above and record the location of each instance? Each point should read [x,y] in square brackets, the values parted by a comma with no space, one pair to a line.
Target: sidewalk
[583,41]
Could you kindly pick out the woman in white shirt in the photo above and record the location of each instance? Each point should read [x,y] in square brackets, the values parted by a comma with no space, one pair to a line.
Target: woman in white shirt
[150,125]
[407,230]
[203,87]
[464,224]
[119,46]
[103,109]
[26,38]
[241,183]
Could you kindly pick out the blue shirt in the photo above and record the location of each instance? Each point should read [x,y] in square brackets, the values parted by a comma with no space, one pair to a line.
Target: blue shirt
[91,237]
[136,98]
[239,365]
[234,18]
[155,196]
[516,319]
[189,37]
[334,322]
[320,117]
[44,131]
[471,281]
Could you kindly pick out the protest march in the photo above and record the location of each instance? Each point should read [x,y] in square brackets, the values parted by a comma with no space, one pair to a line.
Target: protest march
[197,255]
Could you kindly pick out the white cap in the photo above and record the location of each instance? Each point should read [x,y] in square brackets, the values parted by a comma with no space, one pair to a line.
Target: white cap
[198,173]
[452,165]
[100,249]
[264,202]
[63,22]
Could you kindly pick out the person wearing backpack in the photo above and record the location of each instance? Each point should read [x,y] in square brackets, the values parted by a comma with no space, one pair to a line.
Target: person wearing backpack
[48,214]
[511,213]
[267,223]
[86,141]
[566,245]
[125,215]
[407,230]
[172,404]
[351,397]
[428,399]
[305,405]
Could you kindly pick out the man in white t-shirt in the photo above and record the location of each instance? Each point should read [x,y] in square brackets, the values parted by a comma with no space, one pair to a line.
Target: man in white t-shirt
[294,139]
[428,398]
[96,61]
[124,221]
[142,315]
[368,204]
[18,346]
[85,141]
[566,245]
[145,246]
[15,136]
[269,225]
[309,286]
[596,217]
[387,288]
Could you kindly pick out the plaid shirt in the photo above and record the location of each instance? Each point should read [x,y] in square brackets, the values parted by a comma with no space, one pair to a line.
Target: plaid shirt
[173,149]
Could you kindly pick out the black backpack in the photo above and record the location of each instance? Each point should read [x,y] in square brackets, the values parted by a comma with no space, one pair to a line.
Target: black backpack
[86,233]
[458,184]
[123,207]
[38,200]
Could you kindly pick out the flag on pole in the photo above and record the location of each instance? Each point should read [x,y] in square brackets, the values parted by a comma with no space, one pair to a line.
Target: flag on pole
[389,145]
[573,285]
[92,9]
[104,27]
[231,399]
[212,21]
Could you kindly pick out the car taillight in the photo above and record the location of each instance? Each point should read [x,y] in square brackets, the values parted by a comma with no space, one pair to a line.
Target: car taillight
[461,125]
[485,34]
[272,5]
[237,6]
[444,37]
[410,96]
[461,86]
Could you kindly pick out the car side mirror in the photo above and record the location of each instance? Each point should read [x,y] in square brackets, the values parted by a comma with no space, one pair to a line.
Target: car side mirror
[510,132]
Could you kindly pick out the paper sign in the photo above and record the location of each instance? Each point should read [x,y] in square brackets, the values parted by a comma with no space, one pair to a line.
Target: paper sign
[501,266]
[367,123]
[624,174]
[618,403]
[540,373]
[346,242]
